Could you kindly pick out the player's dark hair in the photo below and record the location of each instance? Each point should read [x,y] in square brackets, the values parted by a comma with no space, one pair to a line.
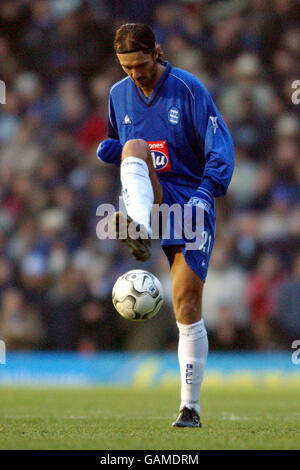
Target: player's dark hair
[135,37]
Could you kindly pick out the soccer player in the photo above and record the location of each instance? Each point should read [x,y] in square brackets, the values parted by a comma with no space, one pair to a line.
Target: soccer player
[172,146]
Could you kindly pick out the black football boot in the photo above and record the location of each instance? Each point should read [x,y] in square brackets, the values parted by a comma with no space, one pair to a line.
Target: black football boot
[187,418]
[139,248]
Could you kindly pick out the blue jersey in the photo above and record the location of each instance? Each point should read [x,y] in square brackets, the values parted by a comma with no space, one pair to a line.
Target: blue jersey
[190,144]
[186,133]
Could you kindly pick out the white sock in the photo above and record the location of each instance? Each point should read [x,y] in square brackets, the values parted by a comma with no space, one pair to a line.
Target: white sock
[192,355]
[137,190]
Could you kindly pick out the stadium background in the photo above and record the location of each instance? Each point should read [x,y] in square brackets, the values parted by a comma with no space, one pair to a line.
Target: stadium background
[57,62]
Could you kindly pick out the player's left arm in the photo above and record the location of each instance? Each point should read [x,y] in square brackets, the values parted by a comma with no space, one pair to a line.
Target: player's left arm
[218,148]
[109,150]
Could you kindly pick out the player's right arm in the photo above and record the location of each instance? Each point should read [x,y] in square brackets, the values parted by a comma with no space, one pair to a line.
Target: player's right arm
[110,150]
[217,146]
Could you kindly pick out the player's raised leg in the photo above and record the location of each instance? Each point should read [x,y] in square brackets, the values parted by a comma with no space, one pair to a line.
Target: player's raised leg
[193,344]
[140,189]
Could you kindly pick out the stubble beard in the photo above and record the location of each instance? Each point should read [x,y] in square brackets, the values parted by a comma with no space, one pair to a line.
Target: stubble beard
[149,83]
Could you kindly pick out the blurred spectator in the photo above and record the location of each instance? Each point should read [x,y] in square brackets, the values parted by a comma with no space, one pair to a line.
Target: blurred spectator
[97,330]
[225,286]
[286,316]
[20,325]
[228,334]
[243,184]
[247,245]
[167,22]
[274,224]
[262,292]
[63,304]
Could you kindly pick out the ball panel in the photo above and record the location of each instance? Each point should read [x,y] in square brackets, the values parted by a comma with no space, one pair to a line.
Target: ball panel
[145,303]
[142,281]
[126,307]
[121,288]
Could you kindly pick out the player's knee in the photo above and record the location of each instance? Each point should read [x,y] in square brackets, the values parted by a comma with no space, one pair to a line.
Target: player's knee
[187,303]
[136,148]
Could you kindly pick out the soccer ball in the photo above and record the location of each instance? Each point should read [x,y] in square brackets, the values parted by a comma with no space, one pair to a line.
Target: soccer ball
[137,295]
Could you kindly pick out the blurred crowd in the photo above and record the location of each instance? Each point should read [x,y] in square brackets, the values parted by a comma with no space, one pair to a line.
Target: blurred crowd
[56,276]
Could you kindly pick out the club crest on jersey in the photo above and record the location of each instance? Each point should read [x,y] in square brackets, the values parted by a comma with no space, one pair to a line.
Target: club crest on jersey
[160,155]
[174,115]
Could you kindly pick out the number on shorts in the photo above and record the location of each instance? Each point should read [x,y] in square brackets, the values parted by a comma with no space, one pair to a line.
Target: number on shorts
[206,238]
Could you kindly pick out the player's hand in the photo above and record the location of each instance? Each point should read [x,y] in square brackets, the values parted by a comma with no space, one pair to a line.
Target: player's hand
[201,203]
[202,199]
[109,151]
[194,216]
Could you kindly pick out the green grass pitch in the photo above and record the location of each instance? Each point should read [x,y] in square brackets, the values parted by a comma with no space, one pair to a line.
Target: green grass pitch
[140,418]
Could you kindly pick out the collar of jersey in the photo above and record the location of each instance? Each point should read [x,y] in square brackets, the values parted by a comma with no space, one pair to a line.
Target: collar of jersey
[149,101]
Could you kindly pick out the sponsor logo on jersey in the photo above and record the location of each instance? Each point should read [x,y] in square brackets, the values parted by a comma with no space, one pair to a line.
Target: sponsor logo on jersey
[160,155]
[127,120]
[174,115]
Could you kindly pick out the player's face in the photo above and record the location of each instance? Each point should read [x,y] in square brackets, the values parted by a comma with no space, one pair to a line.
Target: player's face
[141,68]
